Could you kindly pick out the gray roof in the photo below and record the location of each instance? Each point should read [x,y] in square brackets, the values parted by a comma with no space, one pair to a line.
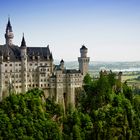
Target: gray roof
[72,71]
[83,47]
[14,53]
[43,52]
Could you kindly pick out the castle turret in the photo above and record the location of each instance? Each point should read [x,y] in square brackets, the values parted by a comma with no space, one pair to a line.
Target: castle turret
[83,60]
[62,64]
[24,64]
[9,33]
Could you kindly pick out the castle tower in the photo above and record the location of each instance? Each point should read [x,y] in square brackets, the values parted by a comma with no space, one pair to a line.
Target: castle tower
[62,64]
[9,33]
[83,60]
[24,64]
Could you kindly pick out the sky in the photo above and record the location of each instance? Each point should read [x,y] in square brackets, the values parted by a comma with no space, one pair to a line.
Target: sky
[110,29]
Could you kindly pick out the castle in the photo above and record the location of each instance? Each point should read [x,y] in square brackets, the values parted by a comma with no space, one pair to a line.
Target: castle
[23,68]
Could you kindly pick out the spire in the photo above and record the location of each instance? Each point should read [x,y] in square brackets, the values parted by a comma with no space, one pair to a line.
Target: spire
[9,33]
[9,27]
[23,43]
[62,61]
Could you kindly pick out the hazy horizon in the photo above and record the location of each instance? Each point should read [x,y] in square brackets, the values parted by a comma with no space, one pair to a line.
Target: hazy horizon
[110,29]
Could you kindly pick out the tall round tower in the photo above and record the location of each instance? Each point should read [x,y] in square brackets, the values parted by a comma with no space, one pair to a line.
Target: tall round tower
[9,33]
[83,60]
[23,49]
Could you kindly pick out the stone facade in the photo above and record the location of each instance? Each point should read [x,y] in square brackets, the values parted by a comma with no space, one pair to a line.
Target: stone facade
[23,68]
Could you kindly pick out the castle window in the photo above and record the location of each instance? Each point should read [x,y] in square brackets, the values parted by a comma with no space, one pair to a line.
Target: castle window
[5,64]
[43,75]
[19,64]
[44,85]
[30,64]
[41,85]
[10,70]
[10,64]
[35,64]
[48,69]
[48,85]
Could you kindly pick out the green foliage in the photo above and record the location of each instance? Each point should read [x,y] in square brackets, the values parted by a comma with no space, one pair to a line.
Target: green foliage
[106,110]
[24,116]
[114,114]
[87,79]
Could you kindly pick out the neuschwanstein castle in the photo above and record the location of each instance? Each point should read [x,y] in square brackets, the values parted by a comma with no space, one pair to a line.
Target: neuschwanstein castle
[23,68]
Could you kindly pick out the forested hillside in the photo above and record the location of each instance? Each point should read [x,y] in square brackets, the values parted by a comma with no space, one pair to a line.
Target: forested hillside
[105,110]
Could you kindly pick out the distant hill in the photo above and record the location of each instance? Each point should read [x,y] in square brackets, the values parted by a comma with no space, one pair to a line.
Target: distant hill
[98,65]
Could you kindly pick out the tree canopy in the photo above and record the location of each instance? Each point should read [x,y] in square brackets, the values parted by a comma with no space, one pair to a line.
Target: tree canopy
[104,112]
